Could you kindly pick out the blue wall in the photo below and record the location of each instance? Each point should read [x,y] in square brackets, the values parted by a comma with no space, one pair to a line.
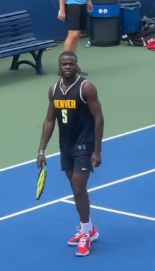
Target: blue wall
[44,15]
[148,8]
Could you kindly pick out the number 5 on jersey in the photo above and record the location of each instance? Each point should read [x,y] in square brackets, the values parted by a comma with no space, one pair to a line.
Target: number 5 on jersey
[64,116]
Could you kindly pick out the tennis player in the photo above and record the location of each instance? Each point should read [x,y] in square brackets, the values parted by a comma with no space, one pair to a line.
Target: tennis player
[74,12]
[73,102]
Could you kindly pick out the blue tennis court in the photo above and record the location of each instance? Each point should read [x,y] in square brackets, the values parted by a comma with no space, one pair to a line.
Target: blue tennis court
[34,234]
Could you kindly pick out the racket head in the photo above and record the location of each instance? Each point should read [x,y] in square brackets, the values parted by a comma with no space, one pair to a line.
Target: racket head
[41,181]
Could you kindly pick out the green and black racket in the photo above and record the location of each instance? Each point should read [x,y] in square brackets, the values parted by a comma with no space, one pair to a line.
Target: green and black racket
[41,181]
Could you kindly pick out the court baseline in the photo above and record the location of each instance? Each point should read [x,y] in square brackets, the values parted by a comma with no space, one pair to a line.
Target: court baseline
[104,140]
[89,190]
[71,196]
[113,211]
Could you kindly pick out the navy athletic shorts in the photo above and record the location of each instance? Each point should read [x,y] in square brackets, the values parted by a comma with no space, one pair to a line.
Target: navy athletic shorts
[76,16]
[81,163]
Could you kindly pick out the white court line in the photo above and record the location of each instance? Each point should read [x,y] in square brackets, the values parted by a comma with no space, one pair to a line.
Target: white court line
[104,140]
[114,211]
[71,196]
[122,180]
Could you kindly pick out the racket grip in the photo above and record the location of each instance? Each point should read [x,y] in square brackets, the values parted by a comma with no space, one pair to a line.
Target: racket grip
[44,166]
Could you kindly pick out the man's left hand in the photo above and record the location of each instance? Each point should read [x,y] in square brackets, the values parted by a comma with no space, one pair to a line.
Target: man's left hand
[96,159]
[89,6]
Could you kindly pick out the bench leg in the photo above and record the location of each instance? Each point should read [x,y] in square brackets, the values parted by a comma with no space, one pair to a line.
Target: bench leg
[37,57]
[14,62]
[37,65]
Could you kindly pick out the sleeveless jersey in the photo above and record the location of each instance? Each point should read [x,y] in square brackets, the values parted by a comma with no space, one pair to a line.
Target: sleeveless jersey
[75,122]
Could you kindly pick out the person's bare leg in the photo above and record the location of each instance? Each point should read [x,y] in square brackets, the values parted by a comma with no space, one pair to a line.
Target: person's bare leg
[71,41]
[78,184]
[86,233]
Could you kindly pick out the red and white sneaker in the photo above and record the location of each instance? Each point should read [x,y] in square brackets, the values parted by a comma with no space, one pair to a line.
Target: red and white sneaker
[74,241]
[84,246]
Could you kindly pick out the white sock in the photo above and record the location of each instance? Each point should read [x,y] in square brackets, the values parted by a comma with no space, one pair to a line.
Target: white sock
[86,227]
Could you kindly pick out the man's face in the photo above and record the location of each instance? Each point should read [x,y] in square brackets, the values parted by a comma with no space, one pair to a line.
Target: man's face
[67,65]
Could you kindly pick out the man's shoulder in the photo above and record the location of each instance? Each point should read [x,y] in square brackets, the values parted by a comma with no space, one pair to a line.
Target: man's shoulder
[53,87]
[87,84]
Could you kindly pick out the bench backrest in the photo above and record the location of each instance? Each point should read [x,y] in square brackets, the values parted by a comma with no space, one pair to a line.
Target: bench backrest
[15,28]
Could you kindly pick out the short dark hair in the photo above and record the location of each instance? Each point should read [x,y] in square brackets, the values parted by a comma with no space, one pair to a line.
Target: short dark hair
[68,53]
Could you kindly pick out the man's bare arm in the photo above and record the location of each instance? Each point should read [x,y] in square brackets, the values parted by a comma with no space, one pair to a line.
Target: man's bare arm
[49,123]
[90,96]
[62,5]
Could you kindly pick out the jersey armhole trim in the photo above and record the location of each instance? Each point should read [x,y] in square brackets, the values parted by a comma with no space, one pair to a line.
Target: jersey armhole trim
[54,89]
[81,91]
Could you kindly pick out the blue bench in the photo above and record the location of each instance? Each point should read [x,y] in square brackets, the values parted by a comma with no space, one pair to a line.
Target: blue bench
[17,37]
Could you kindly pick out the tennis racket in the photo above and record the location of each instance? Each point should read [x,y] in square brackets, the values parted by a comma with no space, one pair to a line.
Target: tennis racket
[41,181]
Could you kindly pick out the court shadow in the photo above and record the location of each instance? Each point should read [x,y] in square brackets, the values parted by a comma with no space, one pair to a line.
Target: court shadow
[8,77]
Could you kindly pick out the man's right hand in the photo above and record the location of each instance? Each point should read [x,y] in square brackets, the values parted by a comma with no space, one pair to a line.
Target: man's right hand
[41,160]
[61,15]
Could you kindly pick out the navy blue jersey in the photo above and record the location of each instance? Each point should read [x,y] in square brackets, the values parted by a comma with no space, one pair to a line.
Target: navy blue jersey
[75,122]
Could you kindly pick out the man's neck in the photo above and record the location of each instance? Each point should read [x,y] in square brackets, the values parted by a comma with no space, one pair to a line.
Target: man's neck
[67,82]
